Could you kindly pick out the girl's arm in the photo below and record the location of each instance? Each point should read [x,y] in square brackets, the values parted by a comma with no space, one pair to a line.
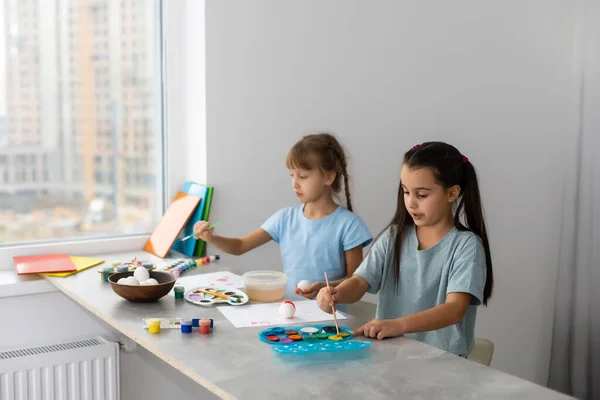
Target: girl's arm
[235,246]
[449,313]
[353,259]
[349,291]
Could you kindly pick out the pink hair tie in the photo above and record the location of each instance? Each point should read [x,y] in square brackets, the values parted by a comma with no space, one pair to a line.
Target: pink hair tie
[416,146]
[465,159]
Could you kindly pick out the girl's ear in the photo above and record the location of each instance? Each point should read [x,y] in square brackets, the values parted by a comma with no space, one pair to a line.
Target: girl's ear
[453,193]
[330,177]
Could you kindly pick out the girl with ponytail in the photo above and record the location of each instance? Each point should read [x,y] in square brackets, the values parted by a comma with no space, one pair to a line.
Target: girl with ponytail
[431,266]
[319,235]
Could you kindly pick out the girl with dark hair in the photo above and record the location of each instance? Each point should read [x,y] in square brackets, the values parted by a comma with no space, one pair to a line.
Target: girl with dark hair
[431,266]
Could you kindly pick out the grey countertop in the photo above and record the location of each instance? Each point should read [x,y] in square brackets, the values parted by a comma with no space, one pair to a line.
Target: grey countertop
[232,362]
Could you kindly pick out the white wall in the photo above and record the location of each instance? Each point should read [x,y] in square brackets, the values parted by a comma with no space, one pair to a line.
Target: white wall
[496,79]
[53,317]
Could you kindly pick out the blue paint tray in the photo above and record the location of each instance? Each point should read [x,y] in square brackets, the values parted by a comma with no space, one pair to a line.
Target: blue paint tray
[314,339]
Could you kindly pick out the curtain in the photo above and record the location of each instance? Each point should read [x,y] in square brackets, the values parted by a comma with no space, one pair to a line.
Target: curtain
[575,357]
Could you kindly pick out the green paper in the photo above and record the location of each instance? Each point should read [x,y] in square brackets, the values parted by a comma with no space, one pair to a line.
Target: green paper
[201,244]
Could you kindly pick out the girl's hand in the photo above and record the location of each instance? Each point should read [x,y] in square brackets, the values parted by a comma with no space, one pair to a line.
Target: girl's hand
[326,299]
[381,328]
[200,231]
[312,290]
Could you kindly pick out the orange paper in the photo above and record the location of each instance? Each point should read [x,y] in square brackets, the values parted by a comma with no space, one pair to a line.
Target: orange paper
[171,223]
[44,263]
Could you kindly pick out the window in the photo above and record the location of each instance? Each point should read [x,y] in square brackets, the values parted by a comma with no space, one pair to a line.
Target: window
[89,151]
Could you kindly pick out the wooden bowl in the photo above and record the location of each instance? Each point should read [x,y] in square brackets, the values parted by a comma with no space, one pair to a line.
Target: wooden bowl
[143,294]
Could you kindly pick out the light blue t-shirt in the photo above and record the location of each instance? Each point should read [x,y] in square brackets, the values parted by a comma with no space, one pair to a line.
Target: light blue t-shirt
[310,247]
[454,264]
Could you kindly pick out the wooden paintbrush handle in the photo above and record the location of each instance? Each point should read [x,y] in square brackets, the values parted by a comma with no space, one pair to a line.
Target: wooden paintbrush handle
[337,328]
[222,296]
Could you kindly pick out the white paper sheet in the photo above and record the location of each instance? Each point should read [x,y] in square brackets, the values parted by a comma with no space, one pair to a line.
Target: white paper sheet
[267,314]
[218,280]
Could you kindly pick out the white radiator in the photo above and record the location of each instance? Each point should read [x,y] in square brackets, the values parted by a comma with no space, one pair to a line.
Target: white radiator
[75,370]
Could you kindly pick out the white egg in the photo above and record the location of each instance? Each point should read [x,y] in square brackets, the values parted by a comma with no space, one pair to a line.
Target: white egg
[149,282]
[122,281]
[131,281]
[141,274]
[287,309]
[303,284]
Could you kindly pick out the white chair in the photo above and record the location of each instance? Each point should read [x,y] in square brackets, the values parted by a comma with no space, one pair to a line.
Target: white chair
[482,352]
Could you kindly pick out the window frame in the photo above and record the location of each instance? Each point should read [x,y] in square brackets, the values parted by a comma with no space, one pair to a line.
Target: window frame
[183,138]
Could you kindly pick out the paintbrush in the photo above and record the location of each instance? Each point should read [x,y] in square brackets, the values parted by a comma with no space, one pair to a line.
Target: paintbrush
[220,295]
[337,328]
[210,227]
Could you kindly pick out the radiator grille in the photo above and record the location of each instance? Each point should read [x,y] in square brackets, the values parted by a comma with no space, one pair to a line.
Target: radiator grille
[32,351]
[75,370]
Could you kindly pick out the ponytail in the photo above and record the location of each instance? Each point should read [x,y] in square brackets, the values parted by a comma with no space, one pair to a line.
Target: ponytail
[471,207]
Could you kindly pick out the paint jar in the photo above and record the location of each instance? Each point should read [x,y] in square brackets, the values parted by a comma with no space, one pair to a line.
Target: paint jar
[264,285]
[195,322]
[106,272]
[123,268]
[212,323]
[205,326]
[147,265]
[179,291]
[153,325]
[186,325]
[206,260]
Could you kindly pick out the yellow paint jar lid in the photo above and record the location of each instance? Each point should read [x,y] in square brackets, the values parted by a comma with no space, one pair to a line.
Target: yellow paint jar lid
[153,325]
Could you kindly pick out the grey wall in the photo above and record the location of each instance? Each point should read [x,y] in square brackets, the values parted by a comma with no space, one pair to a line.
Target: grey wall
[496,79]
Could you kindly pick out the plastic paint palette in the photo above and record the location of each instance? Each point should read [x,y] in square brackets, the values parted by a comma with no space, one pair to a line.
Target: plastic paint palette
[310,339]
[234,297]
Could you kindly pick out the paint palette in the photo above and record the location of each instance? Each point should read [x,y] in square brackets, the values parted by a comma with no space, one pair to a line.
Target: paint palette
[207,296]
[310,339]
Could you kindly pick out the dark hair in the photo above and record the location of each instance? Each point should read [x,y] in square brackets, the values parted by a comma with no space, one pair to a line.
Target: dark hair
[450,168]
[322,151]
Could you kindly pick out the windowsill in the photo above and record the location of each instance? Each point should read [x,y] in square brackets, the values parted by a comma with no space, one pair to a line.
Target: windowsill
[12,284]
[73,248]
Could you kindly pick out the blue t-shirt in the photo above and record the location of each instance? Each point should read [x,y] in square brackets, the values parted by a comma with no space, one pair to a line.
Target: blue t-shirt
[310,247]
[454,264]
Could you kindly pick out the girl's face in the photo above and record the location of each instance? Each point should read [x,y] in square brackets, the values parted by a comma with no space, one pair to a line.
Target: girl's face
[311,185]
[426,201]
